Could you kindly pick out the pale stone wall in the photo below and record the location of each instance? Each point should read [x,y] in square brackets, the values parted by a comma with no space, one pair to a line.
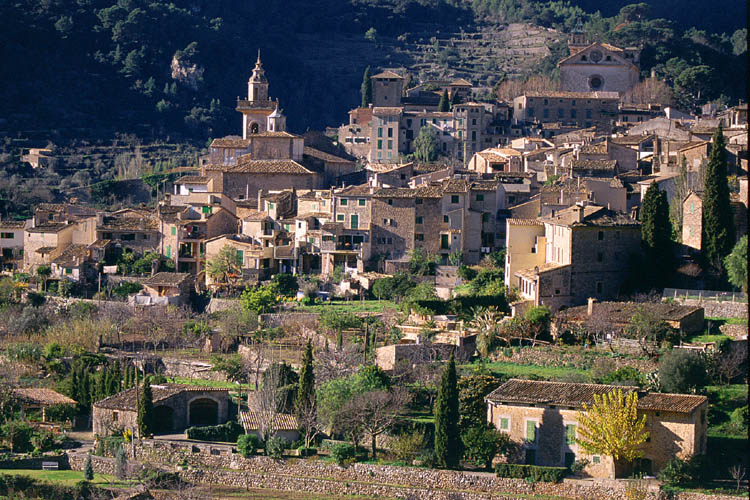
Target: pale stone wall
[520,243]
[32,241]
[615,78]
[692,221]
[393,226]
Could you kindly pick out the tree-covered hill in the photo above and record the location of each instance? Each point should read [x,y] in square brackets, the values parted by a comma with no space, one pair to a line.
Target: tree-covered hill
[173,70]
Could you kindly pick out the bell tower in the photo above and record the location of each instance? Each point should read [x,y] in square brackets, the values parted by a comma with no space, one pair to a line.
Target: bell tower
[257,86]
[578,39]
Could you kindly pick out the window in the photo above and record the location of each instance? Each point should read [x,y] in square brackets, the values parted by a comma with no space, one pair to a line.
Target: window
[418,201]
[419,237]
[446,219]
[169,251]
[6,236]
[355,221]
[128,237]
[570,434]
[530,457]
[340,218]
[240,258]
[390,202]
[600,256]
[572,113]
[362,202]
[560,113]
[390,132]
[454,198]
[596,459]
[599,286]
[146,237]
[503,423]
[174,230]
[390,144]
[68,270]
[485,217]
[557,290]
[445,241]
[480,197]
[601,235]
[403,177]
[380,132]
[115,416]
[380,143]
[419,220]
[531,431]
[530,112]
[343,202]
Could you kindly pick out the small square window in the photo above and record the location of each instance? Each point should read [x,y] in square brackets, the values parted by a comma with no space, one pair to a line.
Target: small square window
[601,235]
[419,220]
[340,217]
[454,198]
[362,202]
[446,219]
[596,459]
[480,197]
[390,202]
[344,202]
[418,201]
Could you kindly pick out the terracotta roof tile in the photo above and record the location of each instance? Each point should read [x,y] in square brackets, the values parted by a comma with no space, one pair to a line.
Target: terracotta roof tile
[230,142]
[126,400]
[12,224]
[252,421]
[322,155]
[607,165]
[524,222]
[72,256]
[245,164]
[42,396]
[592,216]
[556,94]
[388,74]
[167,279]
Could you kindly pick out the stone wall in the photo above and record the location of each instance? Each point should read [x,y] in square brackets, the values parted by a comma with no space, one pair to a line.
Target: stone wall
[554,357]
[101,465]
[175,367]
[713,309]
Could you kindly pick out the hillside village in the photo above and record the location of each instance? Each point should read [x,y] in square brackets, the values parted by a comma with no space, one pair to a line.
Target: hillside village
[451,295]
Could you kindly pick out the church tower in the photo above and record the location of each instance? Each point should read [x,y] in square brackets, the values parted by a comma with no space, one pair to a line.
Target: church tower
[578,39]
[257,86]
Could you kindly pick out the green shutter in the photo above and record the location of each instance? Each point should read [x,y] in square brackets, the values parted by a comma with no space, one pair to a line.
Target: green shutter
[355,221]
[240,257]
[169,250]
[570,434]
[531,431]
[504,424]
[362,203]
[174,230]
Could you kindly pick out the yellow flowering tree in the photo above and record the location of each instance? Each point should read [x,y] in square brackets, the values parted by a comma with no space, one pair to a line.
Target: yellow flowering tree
[611,427]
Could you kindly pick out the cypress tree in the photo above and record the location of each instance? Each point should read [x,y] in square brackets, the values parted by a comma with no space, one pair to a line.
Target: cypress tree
[448,444]
[366,88]
[455,99]
[88,469]
[444,102]
[718,229]
[656,232]
[306,389]
[85,391]
[145,409]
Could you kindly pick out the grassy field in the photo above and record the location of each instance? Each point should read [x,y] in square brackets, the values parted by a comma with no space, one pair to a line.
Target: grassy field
[216,384]
[352,306]
[67,477]
[507,370]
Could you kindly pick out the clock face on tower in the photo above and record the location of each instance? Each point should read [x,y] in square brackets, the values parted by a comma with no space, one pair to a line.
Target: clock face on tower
[596,55]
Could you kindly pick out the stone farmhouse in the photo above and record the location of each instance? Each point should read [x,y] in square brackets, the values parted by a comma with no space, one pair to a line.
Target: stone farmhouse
[176,407]
[575,253]
[11,244]
[542,418]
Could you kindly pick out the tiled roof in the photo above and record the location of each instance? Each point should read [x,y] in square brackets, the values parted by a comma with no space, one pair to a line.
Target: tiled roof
[382,167]
[48,227]
[533,272]
[256,215]
[594,149]
[100,244]
[632,140]
[594,165]
[360,190]
[322,155]
[557,94]
[287,135]
[43,250]
[126,400]
[12,224]
[524,222]
[484,185]
[167,279]
[192,179]
[558,393]
[74,255]
[170,213]
[252,421]
[128,221]
[276,197]
[490,156]
[678,403]
[246,164]
[42,397]
[460,82]
[387,74]
[386,110]
[622,312]
[592,216]
[455,186]
[230,142]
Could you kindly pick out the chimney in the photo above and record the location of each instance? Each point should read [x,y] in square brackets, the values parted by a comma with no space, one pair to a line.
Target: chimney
[590,308]
[579,213]
[260,196]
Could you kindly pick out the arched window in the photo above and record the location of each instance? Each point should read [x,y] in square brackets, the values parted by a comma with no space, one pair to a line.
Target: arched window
[254,128]
[255,93]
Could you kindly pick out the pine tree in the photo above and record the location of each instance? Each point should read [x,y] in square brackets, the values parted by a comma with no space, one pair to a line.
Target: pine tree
[448,444]
[145,409]
[366,88]
[718,229]
[656,233]
[445,104]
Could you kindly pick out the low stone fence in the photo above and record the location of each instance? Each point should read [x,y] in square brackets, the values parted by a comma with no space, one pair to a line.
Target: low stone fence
[101,465]
[714,309]
[34,462]
[216,304]
[555,357]
[274,320]
[177,367]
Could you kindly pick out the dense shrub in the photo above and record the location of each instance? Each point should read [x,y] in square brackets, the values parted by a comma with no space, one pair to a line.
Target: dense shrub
[19,434]
[407,445]
[275,447]
[535,473]
[682,371]
[343,453]
[247,444]
[12,485]
[126,288]
[228,432]
[679,472]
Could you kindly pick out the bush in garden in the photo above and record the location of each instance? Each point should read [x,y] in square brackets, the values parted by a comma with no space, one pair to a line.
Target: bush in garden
[247,444]
[275,447]
[343,453]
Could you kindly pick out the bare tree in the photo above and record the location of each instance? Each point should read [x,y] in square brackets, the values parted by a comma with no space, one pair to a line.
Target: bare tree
[737,472]
[334,363]
[650,90]
[510,89]
[374,412]
[729,365]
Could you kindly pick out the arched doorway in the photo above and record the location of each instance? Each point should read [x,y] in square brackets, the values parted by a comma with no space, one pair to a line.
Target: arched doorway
[204,411]
[163,420]
[254,128]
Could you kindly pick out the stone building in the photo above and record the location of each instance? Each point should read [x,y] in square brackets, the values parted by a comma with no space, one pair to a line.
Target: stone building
[692,221]
[542,418]
[44,242]
[586,254]
[598,66]
[493,160]
[11,244]
[258,105]
[580,109]
[176,407]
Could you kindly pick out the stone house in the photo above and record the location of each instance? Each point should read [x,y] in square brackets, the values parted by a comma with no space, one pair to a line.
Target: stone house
[582,109]
[165,288]
[76,263]
[598,66]
[382,174]
[524,247]
[692,219]
[43,242]
[492,160]
[283,426]
[130,230]
[355,137]
[688,320]
[586,253]
[34,398]
[253,259]
[61,212]
[176,407]
[11,244]
[542,418]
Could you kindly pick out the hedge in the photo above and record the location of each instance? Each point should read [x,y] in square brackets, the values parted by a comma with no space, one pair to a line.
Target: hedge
[462,305]
[32,488]
[227,433]
[533,472]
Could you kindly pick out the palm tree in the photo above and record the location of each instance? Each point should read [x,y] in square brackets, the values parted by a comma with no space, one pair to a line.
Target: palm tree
[223,265]
[487,322]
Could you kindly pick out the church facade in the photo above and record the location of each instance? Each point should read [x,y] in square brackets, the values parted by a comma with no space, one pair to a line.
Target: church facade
[598,66]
